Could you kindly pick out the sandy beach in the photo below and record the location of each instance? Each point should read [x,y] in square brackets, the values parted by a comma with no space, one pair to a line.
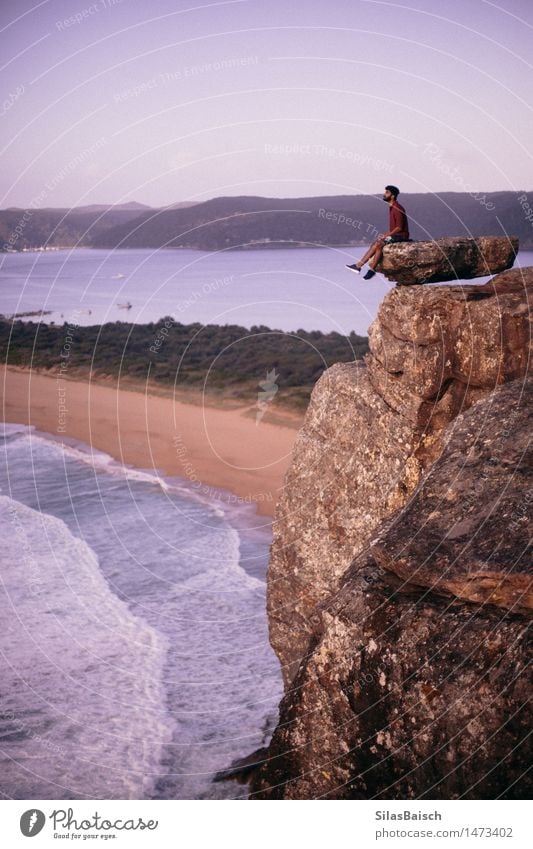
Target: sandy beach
[210,443]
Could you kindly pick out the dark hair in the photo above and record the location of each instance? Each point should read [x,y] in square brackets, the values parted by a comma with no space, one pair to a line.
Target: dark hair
[394,190]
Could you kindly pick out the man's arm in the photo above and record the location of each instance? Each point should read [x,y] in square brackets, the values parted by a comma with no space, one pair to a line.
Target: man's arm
[391,232]
[397,220]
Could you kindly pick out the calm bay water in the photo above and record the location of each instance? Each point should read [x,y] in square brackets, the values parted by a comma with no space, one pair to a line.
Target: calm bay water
[285,289]
[282,289]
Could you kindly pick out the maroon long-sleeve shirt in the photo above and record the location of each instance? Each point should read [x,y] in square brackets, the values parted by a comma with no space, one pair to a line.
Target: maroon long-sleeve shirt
[398,218]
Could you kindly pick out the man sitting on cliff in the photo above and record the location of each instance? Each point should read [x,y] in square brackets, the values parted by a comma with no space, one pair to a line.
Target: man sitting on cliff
[398,232]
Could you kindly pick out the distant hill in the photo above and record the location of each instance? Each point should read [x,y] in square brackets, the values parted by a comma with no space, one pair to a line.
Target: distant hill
[101,207]
[183,204]
[34,228]
[246,222]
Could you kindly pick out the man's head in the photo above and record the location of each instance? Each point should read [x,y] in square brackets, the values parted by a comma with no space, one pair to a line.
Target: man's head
[391,193]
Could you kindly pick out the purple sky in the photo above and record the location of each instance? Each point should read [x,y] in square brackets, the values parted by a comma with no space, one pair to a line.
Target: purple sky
[166,101]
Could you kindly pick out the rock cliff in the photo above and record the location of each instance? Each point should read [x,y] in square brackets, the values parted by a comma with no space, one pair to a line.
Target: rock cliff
[416,682]
[371,430]
[391,560]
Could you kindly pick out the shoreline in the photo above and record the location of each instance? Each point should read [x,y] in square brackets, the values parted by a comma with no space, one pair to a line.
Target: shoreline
[268,246]
[251,247]
[206,441]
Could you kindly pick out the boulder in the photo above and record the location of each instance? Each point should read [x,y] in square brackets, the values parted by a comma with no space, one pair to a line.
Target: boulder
[457,258]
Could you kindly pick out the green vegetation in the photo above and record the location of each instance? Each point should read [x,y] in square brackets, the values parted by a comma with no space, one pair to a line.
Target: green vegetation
[223,360]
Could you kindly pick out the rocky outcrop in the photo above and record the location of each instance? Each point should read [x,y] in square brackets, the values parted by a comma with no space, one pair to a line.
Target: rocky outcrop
[372,430]
[415,679]
[458,258]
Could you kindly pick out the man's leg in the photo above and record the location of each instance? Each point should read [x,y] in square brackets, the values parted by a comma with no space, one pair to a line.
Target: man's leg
[375,246]
[377,254]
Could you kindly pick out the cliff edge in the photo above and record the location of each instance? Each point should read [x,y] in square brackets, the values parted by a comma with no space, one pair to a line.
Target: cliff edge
[398,553]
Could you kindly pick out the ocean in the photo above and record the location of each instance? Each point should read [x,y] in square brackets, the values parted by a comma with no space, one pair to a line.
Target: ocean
[135,658]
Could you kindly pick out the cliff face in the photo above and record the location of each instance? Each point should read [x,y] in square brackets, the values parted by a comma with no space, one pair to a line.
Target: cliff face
[372,430]
[415,683]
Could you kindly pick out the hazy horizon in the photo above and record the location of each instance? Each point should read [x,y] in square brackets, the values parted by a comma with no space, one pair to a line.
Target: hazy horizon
[160,105]
[245,194]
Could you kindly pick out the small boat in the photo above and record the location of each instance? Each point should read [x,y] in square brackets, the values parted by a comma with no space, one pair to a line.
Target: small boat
[126,306]
[117,276]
